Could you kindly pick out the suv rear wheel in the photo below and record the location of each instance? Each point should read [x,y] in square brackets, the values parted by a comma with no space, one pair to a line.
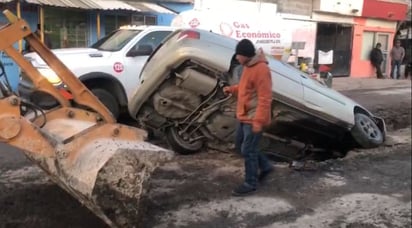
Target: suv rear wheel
[108,100]
[180,144]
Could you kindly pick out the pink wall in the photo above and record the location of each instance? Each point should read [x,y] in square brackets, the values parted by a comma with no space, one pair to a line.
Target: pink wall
[363,68]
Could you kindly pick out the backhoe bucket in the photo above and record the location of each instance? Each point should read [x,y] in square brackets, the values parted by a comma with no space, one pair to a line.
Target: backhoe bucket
[106,166]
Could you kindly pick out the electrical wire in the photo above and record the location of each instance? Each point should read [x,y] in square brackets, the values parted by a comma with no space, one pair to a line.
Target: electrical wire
[33,107]
[3,74]
[5,87]
[7,90]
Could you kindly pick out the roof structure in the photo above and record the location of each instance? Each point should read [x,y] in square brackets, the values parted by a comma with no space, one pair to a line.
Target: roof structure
[129,5]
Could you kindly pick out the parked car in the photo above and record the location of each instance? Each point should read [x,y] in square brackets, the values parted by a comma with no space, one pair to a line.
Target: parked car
[109,68]
[181,95]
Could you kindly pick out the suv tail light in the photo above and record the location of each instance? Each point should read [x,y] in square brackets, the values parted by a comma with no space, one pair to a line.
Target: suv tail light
[190,34]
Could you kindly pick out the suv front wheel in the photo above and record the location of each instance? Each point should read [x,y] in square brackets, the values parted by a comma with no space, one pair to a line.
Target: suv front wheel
[365,132]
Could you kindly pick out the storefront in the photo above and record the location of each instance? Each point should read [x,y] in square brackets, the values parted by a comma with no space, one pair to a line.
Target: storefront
[375,26]
[367,33]
[405,36]
[11,68]
[334,37]
[79,24]
[335,40]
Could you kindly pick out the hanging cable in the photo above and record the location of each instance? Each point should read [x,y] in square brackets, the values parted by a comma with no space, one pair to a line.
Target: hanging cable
[5,87]
[6,90]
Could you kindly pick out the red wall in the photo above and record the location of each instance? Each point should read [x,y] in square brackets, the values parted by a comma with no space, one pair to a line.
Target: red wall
[360,67]
[385,10]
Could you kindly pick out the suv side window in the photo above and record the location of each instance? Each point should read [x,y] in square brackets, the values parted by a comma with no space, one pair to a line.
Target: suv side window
[153,39]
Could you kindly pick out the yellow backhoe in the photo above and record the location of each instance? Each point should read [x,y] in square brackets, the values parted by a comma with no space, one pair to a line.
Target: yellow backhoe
[105,165]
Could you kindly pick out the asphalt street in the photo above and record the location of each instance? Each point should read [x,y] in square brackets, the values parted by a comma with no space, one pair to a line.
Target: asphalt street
[367,188]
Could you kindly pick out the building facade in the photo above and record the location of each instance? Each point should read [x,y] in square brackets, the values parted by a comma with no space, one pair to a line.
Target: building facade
[341,31]
[345,31]
[378,22]
[81,23]
[348,29]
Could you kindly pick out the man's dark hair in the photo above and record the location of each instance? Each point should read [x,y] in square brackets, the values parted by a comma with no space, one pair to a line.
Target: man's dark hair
[378,44]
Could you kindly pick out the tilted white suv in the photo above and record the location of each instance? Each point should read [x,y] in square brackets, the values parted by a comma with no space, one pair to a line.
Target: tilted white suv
[110,68]
[181,95]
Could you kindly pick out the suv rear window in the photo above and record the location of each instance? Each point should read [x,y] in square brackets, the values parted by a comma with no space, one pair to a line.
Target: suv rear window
[115,40]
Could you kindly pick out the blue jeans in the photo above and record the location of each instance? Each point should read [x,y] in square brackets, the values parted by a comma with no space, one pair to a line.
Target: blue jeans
[397,64]
[247,144]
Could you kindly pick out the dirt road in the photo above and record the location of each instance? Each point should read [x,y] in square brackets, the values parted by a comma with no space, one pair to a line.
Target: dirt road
[367,188]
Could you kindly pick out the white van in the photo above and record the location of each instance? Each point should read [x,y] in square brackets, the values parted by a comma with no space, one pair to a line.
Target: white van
[258,22]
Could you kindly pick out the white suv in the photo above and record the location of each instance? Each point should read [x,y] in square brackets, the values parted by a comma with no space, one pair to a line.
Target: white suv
[181,95]
[110,68]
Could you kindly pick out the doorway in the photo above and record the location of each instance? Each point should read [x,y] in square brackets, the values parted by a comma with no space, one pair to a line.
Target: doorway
[337,38]
[369,41]
[383,38]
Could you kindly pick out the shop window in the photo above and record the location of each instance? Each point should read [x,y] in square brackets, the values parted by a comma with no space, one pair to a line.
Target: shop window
[113,22]
[144,20]
[66,28]
[336,37]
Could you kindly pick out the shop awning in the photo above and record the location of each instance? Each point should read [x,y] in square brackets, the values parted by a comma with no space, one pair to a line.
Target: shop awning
[149,7]
[177,1]
[115,5]
[103,5]
[81,4]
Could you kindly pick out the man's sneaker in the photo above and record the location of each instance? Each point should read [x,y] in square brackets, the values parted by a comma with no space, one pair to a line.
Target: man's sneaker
[243,190]
[264,174]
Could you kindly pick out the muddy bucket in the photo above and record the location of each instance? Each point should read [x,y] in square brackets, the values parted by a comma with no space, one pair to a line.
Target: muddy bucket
[105,166]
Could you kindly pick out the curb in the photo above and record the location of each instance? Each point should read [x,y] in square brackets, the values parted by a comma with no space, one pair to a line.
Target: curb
[344,84]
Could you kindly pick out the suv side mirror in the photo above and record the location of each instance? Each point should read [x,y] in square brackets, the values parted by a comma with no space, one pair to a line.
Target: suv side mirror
[141,50]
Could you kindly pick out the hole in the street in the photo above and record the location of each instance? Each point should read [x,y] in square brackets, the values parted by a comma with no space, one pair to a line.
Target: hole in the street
[396,117]
[295,151]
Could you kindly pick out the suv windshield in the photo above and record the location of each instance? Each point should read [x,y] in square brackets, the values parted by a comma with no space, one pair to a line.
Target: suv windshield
[116,40]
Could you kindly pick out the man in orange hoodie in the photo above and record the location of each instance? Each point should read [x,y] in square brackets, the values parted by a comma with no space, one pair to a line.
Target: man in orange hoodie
[254,98]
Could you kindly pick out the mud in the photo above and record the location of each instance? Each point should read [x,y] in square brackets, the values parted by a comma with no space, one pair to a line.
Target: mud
[366,188]
[122,182]
[394,108]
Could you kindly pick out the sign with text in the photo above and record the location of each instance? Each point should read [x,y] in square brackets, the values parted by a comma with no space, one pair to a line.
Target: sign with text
[267,31]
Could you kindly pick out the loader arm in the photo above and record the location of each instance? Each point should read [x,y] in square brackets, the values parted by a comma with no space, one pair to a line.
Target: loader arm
[19,29]
[104,165]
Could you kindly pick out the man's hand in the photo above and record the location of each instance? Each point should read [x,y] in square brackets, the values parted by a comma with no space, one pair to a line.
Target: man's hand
[257,128]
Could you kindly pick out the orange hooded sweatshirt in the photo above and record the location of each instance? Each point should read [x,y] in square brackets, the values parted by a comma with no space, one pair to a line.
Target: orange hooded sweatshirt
[254,92]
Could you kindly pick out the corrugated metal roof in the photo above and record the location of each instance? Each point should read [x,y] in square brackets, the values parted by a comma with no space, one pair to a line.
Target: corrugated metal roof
[149,7]
[166,1]
[82,4]
[115,5]
[53,2]
[102,5]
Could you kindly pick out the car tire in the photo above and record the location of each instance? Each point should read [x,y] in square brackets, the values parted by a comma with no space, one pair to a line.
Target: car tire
[108,100]
[365,132]
[180,145]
